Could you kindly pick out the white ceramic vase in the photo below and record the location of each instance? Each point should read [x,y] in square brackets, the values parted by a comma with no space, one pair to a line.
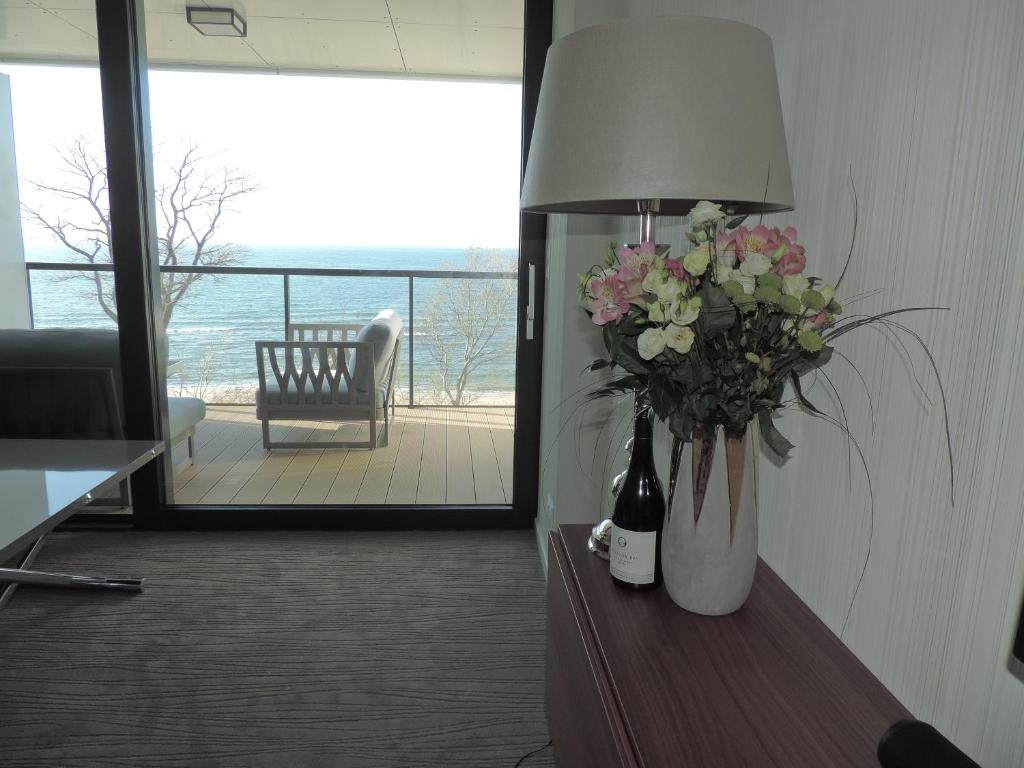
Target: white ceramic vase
[709,543]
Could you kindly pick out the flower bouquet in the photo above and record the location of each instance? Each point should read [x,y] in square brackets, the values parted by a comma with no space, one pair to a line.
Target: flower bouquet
[709,342]
[713,337]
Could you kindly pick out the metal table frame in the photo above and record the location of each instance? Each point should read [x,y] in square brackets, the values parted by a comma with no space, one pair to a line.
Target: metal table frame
[11,578]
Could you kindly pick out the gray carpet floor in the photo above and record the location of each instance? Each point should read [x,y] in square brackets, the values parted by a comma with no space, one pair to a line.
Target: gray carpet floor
[348,649]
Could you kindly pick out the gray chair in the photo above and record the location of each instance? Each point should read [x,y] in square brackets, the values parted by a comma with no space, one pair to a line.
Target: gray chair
[331,380]
[56,387]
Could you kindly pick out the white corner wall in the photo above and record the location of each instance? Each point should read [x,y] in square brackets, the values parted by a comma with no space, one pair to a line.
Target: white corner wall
[14,299]
[924,102]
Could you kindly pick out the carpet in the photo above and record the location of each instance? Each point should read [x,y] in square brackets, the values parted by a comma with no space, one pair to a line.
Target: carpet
[341,649]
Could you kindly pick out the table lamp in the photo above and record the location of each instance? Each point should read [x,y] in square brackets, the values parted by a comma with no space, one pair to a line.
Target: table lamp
[650,115]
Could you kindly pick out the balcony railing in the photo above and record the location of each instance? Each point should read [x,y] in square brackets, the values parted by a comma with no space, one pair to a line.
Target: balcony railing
[286,274]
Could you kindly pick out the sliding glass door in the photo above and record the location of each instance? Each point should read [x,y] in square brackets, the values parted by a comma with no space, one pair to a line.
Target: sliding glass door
[339,315]
[318,169]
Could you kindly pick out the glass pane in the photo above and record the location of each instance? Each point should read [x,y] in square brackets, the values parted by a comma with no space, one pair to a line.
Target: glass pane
[59,347]
[387,161]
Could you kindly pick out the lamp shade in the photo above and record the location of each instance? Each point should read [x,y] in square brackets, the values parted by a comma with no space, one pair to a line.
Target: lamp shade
[674,109]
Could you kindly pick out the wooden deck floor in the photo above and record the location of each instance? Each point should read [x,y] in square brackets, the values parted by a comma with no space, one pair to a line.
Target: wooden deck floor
[435,456]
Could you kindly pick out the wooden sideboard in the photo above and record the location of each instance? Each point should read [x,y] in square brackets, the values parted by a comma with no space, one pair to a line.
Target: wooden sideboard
[633,680]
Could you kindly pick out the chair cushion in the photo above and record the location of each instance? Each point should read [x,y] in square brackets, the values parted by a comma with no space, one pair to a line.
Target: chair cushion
[383,332]
[184,413]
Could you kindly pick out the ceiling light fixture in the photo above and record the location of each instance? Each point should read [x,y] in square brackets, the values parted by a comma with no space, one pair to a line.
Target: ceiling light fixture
[216,22]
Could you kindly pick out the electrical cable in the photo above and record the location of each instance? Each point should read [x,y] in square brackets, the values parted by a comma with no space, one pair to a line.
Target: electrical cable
[534,752]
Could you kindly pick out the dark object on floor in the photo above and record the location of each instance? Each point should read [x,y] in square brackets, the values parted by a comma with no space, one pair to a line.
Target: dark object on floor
[269,649]
[530,754]
[914,744]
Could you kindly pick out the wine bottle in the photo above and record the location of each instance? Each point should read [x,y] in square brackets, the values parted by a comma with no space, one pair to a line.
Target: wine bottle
[635,546]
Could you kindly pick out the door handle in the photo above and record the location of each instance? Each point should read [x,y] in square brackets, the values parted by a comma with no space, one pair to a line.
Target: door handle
[531,293]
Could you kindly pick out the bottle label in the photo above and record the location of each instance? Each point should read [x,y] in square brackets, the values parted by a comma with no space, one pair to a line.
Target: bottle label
[631,555]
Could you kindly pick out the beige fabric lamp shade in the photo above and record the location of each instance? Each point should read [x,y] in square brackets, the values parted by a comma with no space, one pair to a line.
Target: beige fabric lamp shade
[674,109]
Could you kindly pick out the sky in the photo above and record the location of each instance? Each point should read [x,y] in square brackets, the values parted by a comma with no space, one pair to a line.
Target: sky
[338,160]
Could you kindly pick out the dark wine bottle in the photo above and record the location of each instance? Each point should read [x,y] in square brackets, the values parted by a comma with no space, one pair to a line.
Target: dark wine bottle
[634,551]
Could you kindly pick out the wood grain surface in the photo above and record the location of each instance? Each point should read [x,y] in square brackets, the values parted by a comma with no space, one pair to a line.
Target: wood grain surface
[767,686]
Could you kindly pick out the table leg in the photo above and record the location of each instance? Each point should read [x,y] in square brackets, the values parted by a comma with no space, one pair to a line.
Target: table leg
[20,575]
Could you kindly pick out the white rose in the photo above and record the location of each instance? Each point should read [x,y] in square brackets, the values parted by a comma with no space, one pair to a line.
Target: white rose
[679,337]
[685,312]
[651,343]
[656,312]
[705,212]
[756,264]
[696,261]
[795,285]
[653,280]
[748,283]
[671,289]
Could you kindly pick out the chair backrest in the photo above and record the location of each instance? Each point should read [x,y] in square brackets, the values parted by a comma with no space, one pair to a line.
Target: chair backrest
[64,348]
[325,332]
[59,403]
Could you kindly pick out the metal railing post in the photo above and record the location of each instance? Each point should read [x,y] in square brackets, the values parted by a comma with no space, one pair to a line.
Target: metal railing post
[28,287]
[287,307]
[412,343]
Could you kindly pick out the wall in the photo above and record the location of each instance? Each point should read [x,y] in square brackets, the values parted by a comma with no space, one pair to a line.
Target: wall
[14,307]
[923,102]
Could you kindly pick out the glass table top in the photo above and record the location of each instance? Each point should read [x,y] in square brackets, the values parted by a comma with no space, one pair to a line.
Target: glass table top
[43,481]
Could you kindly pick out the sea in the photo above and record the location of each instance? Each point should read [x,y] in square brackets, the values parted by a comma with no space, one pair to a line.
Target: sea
[214,328]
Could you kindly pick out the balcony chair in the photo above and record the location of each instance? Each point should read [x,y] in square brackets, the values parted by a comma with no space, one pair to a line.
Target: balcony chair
[325,379]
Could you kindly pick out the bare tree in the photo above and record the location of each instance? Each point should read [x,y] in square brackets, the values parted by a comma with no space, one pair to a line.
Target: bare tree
[462,318]
[192,198]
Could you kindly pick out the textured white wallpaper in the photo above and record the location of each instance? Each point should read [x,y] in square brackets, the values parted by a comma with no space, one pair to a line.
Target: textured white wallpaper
[924,101]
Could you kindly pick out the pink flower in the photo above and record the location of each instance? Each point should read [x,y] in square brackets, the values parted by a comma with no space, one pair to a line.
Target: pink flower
[791,263]
[609,301]
[740,242]
[727,248]
[675,267]
[637,260]
[819,321]
[635,263]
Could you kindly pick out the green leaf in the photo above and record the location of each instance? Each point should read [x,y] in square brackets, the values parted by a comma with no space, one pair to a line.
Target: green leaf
[716,312]
[775,440]
[746,303]
[628,357]
[681,425]
[800,395]
[768,293]
[791,304]
[810,341]
[598,364]
[733,288]
[665,396]
[808,363]
[812,299]
[733,223]
[770,280]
